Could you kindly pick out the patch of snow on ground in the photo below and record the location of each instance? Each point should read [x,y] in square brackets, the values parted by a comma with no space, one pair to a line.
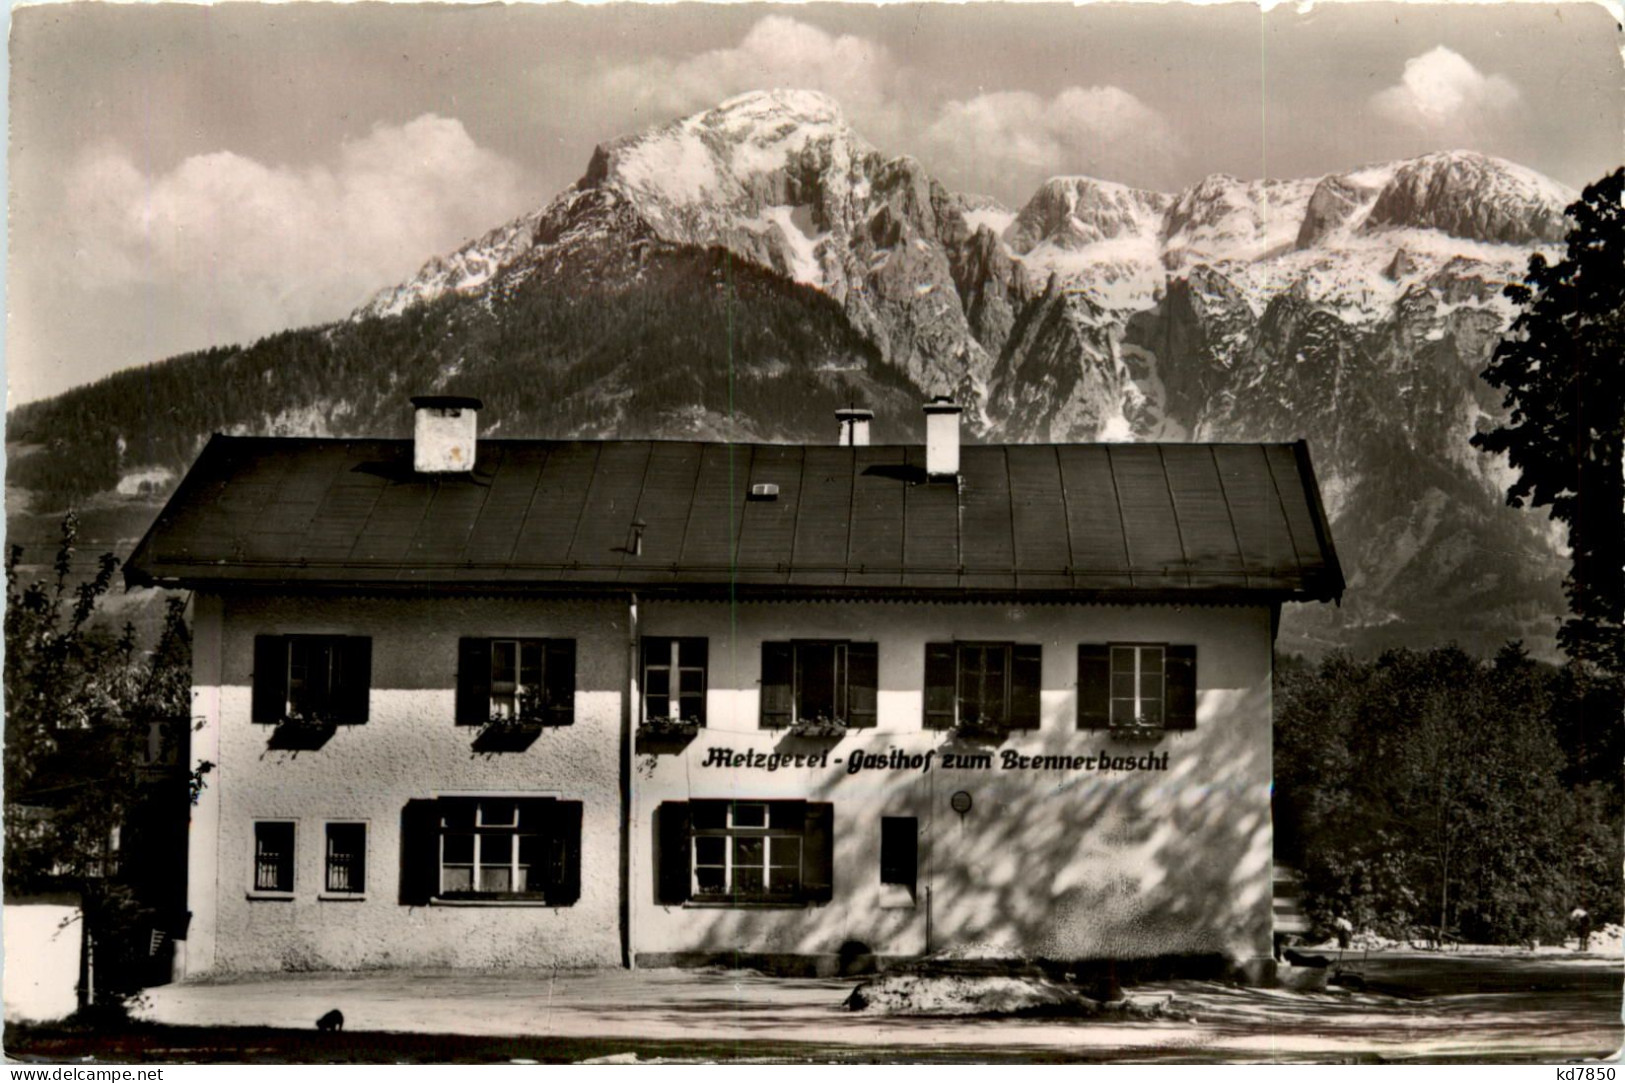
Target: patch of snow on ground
[905,993]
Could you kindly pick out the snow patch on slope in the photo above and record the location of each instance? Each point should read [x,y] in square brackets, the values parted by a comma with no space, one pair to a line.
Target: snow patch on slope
[800,249]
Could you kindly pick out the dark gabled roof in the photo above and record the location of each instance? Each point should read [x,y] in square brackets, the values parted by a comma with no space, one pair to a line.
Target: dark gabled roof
[1082,520]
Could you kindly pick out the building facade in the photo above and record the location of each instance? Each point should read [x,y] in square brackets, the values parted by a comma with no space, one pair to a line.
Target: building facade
[537,703]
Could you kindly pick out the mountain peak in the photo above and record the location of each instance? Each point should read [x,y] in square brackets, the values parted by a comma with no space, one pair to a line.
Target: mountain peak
[726,155]
[1473,196]
[813,105]
[1074,212]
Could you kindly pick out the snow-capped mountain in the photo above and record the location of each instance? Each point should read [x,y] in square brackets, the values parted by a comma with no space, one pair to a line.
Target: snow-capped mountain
[740,271]
[780,179]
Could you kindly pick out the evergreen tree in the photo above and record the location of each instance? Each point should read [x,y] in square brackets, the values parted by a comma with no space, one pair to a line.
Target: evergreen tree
[1562,366]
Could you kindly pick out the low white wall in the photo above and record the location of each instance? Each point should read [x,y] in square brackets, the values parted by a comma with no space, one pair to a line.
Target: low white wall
[42,943]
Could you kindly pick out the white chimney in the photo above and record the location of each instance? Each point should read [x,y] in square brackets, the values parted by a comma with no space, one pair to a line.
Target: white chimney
[443,433]
[942,437]
[854,426]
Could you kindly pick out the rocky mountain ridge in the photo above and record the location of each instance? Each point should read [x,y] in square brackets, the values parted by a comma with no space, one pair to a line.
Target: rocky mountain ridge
[1354,309]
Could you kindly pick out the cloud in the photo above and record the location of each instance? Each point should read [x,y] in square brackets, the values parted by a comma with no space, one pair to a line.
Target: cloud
[1002,143]
[265,246]
[777,51]
[1441,93]
[1104,131]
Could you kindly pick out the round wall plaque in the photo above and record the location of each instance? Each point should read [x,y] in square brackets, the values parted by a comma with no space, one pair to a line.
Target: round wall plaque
[960,802]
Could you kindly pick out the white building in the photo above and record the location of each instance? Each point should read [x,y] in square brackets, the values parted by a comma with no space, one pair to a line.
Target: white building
[525,702]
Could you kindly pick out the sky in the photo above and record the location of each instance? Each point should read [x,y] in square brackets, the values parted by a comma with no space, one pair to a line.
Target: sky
[183,176]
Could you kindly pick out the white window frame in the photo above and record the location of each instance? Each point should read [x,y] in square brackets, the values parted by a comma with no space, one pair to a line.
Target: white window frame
[328,890]
[506,696]
[674,668]
[331,644]
[1140,697]
[292,858]
[1007,651]
[480,831]
[838,690]
[772,838]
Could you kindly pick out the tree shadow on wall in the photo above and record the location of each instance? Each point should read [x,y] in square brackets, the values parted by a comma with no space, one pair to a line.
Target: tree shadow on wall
[1073,865]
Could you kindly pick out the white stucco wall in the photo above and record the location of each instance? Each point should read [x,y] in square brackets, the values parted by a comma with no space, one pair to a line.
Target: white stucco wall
[1062,864]
[409,748]
[1054,863]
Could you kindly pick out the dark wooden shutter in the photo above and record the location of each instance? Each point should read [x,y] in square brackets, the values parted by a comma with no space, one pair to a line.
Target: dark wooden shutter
[900,850]
[420,852]
[563,852]
[354,693]
[672,880]
[1026,683]
[818,852]
[270,678]
[473,681]
[694,651]
[862,683]
[939,686]
[559,676]
[1094,686]
[1180,684]
[778,663]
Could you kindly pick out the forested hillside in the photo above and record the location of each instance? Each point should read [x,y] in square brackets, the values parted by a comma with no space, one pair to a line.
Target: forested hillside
[693,344]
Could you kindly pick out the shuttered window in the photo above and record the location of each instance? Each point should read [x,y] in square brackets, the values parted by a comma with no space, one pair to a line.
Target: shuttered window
[819,680]
[744,852]
[1136,686]
[991,685]
[529,679]
[491,849]
[314,677]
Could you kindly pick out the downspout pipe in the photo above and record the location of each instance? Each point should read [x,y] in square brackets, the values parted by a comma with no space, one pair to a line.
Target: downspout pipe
[629,775]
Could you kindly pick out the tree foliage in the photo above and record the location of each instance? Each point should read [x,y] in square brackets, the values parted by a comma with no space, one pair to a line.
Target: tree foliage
[1562,366]
[95,747]
[1429,789]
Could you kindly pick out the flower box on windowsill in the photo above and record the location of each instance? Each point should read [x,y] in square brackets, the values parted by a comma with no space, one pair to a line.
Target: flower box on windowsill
[513,723]
[1137,730]
[821,729]
[508,733]
[979,733]
[302,733]
[666,735]
[669,729]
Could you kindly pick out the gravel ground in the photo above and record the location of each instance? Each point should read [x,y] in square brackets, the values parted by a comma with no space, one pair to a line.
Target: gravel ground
[1415,1005]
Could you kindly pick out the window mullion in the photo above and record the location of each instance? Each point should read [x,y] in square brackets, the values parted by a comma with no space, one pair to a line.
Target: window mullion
[728,857]
[329,676]
[1139,692]
[1009,654]
[674,682]
[795,693]
[842,708]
